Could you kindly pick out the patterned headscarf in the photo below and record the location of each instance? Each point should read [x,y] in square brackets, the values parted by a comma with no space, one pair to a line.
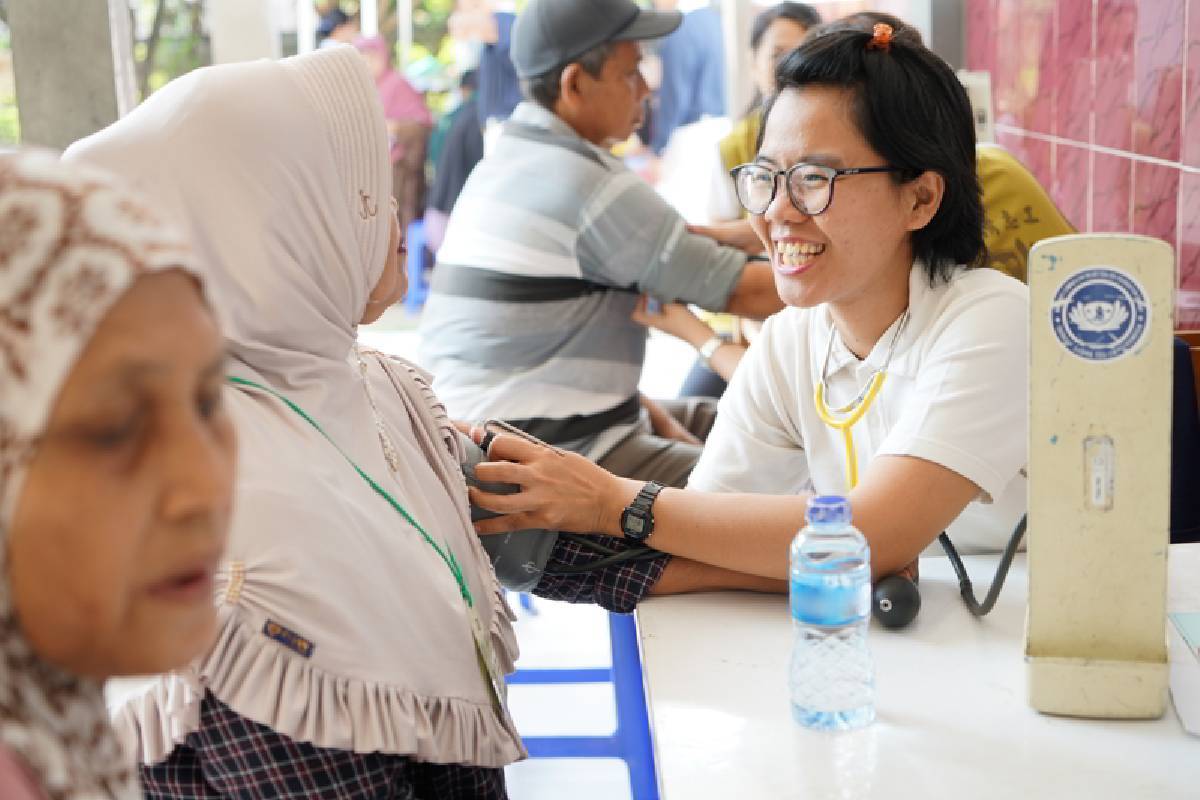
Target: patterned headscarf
[71,244]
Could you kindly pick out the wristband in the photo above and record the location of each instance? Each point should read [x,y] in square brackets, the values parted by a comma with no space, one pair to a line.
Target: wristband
[709,348]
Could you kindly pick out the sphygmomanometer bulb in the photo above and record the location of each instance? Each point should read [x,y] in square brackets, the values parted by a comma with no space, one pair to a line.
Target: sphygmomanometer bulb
[895,601]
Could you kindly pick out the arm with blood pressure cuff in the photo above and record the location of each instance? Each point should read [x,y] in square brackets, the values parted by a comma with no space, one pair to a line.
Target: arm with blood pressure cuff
[896,599]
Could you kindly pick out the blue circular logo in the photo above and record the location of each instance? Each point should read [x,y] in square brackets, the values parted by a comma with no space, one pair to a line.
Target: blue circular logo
[1100,313]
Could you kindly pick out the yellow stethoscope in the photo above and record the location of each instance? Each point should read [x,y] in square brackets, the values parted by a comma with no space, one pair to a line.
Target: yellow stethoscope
[844,417]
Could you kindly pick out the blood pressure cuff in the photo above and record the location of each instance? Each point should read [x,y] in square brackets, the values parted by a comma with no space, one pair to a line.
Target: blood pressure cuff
[520,557]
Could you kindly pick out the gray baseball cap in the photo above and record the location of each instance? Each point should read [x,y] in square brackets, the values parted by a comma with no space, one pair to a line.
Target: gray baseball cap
[550,33]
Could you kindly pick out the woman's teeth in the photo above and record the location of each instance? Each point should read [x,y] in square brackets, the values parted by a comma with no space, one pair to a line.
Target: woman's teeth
[794,254]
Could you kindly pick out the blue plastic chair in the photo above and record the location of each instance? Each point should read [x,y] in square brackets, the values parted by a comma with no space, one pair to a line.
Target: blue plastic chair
[630,742]
[418,281]
[525,599]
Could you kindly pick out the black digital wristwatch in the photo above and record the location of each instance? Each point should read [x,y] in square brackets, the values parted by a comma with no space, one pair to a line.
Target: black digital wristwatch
[636,520]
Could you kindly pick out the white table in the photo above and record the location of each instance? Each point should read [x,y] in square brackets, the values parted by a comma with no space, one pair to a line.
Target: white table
[952,717]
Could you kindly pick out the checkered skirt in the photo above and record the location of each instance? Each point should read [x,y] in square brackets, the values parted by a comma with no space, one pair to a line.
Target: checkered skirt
[233,758]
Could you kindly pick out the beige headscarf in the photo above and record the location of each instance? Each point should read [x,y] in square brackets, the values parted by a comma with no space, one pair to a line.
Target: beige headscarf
[340,625]
[71,244]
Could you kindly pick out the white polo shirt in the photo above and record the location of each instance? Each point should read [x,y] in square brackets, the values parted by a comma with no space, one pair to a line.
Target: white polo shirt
[955,394]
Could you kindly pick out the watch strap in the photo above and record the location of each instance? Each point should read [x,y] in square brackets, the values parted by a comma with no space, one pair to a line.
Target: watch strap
[646,497]
[640,509]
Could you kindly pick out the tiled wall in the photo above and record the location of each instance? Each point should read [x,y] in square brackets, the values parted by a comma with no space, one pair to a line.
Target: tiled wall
[1101,99]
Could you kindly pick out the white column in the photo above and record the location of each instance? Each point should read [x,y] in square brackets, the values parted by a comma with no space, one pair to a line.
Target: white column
[739,80]
[306,26]
[73,66]
[242,30]
[404,33]
[368,17]
[920,16]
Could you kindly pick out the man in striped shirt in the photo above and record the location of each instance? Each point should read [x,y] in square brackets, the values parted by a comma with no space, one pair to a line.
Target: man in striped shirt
[547,251]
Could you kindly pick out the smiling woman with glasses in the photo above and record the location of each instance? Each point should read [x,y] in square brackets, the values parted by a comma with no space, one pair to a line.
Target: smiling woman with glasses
[896,377]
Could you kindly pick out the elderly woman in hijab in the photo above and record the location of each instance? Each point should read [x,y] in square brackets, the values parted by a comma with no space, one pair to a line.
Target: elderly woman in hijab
[408,125]
[363,637]
[116,469]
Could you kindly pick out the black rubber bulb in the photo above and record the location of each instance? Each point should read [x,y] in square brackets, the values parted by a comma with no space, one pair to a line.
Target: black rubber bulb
[895,601]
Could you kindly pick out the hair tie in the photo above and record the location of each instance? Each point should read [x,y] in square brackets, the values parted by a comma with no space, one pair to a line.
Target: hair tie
[882,38]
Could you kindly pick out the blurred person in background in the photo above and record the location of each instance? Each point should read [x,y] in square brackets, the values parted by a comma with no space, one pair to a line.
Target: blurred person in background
[488,24]
[692,70]
[408,124]
[457,153]
[775,33]
[335,26]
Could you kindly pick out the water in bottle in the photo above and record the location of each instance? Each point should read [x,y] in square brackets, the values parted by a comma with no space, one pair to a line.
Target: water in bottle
[831,675]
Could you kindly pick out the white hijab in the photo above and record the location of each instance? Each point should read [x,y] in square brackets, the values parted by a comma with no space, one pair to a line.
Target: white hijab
[282,171]
[71,244]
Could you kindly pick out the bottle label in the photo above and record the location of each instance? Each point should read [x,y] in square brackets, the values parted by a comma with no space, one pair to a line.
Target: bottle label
[830,600]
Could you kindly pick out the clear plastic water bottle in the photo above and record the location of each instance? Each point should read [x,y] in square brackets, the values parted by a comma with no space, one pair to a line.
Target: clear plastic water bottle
[831,675]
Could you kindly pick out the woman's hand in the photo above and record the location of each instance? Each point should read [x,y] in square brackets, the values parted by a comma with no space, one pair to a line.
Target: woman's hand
[678,320]
[675,319]
[559,490]
[737,233]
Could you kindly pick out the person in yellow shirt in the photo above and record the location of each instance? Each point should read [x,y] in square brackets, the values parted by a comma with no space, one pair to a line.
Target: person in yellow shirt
[1017,211]
[776,32]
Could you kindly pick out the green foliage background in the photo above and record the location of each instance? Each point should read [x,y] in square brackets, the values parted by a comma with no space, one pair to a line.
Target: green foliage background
[182,45]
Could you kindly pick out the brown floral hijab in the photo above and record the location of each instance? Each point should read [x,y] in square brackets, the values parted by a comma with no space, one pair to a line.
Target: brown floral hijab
[71,243]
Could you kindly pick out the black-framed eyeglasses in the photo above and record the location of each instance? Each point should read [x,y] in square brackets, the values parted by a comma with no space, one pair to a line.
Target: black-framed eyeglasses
[809,186]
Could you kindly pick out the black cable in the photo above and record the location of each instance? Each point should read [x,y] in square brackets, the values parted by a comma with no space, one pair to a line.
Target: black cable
[964,581]
[608,556]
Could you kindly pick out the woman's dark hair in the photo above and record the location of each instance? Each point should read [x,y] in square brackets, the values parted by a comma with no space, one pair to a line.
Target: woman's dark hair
[867,20]
[802,14]
[911,108]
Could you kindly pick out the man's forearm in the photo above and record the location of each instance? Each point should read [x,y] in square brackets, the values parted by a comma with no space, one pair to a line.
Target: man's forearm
[755,295]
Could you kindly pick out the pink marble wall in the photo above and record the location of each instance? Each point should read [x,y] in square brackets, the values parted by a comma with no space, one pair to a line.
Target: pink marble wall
[1101,100]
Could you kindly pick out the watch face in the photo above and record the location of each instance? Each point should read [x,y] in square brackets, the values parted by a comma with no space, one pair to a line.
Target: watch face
[634,524]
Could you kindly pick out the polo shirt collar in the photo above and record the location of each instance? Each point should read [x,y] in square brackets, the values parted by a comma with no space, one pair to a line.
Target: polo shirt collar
[921,306]
[531,113]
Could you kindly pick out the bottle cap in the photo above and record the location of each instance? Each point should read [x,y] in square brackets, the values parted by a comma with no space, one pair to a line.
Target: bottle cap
[828,509]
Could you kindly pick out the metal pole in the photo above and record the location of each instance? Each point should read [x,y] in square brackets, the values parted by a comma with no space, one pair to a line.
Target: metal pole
[404,24]
[368,17]
[735,25]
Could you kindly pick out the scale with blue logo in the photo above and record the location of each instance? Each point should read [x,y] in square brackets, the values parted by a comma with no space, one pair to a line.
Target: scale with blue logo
[1101,311]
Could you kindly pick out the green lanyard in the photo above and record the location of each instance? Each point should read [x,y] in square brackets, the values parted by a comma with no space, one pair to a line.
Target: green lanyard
[446,554]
